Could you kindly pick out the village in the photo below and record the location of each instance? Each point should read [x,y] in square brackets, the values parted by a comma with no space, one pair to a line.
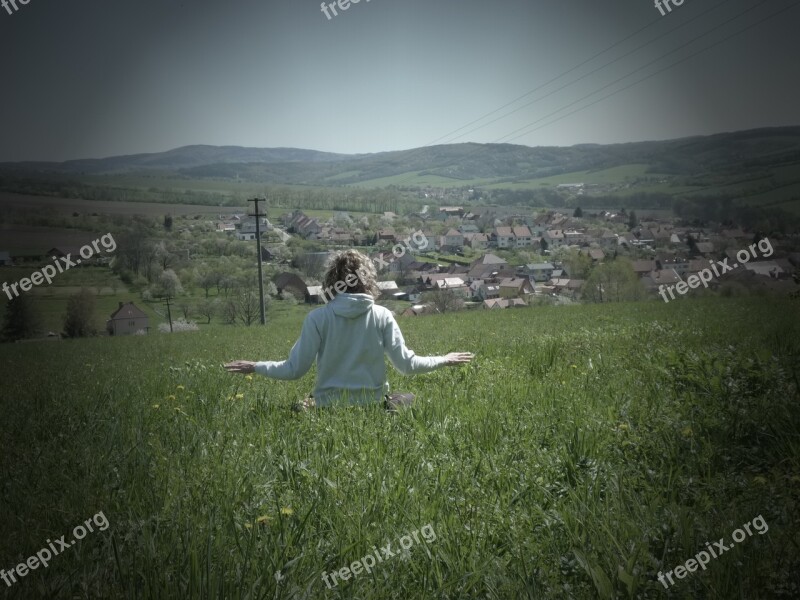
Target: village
[500,258]
[436,260]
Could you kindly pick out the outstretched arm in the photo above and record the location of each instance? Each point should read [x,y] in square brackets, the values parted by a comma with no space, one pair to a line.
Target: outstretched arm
[240,366]
[458,358]
[404,360]
[299,362]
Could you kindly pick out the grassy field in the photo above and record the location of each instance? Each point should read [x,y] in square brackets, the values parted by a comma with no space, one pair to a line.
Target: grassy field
[18,202]
[601,176]
[32,240]
[415,179]
[586,449]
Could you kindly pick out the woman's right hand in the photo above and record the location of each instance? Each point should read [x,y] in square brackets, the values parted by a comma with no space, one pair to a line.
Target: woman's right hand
[458,358]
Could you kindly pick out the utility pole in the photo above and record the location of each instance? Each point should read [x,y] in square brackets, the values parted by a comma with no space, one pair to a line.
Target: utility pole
[169,313]
[258,216]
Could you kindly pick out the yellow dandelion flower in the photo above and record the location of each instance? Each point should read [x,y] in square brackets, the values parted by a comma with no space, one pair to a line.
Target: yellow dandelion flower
[248,377]
[156,406]
[180,388]
[239,396]
[623,427]
[574,366]
[687,432]
[287,511]
[171,397]
[263,520]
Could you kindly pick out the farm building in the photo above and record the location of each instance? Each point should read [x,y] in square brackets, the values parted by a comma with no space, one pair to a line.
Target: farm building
[127,320]
[289,282]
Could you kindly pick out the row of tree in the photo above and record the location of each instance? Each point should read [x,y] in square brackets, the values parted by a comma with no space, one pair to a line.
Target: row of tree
[22,319]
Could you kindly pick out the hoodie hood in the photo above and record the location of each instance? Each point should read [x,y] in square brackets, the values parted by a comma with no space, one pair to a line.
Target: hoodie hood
[351,305]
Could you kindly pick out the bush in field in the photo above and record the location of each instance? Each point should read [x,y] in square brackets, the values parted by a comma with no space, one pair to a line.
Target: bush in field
[79,320]
[178,326]
[21,319]
[290,299]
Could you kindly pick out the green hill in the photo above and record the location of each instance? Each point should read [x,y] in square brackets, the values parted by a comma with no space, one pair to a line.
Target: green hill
[585,450]
[453,165]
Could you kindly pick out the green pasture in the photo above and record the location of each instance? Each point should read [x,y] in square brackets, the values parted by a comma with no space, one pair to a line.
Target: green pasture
[584,450]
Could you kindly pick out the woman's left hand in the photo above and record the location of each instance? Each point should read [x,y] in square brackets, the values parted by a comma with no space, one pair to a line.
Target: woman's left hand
[241,366]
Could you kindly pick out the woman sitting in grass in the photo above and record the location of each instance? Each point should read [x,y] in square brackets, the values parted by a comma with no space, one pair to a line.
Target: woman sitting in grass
[348,337]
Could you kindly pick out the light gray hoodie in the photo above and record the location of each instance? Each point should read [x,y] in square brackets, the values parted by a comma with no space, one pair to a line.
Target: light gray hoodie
[349,337]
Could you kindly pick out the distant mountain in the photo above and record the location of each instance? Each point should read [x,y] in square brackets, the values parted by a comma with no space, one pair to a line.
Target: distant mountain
[723,154]
[181,158]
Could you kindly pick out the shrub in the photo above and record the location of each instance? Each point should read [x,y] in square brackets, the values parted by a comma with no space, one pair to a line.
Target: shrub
[178,326]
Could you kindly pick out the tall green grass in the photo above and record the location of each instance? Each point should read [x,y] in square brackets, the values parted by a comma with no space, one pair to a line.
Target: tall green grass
[586,449]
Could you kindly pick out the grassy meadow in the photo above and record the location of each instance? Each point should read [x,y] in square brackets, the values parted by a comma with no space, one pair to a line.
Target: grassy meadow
[586,449]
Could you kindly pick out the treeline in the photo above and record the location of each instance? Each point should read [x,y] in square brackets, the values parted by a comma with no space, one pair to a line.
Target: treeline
[330,198]
[375,201]
[725,210]
[53,185]
[549,198]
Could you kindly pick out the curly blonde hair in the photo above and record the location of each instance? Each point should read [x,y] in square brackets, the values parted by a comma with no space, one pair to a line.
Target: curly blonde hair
[345,265]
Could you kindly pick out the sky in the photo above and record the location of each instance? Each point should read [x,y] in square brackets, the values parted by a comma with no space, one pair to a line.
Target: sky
[97,78]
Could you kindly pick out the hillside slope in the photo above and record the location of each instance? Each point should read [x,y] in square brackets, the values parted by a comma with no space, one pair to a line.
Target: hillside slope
[587,450]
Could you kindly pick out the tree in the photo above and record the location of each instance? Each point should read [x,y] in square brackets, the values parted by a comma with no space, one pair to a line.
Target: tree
[21,319]
[130,253]
[149,256]
[311,263]
[578,213]
[577,263]
[207,308]
[613,281]
[443,300]
[185,307]
[163,255]
[632,220]
[543,245]
[229,312]
[225,284]
[168,222]
[79,320]
[690,241]
[168,285]
[248,308]
[207,279]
